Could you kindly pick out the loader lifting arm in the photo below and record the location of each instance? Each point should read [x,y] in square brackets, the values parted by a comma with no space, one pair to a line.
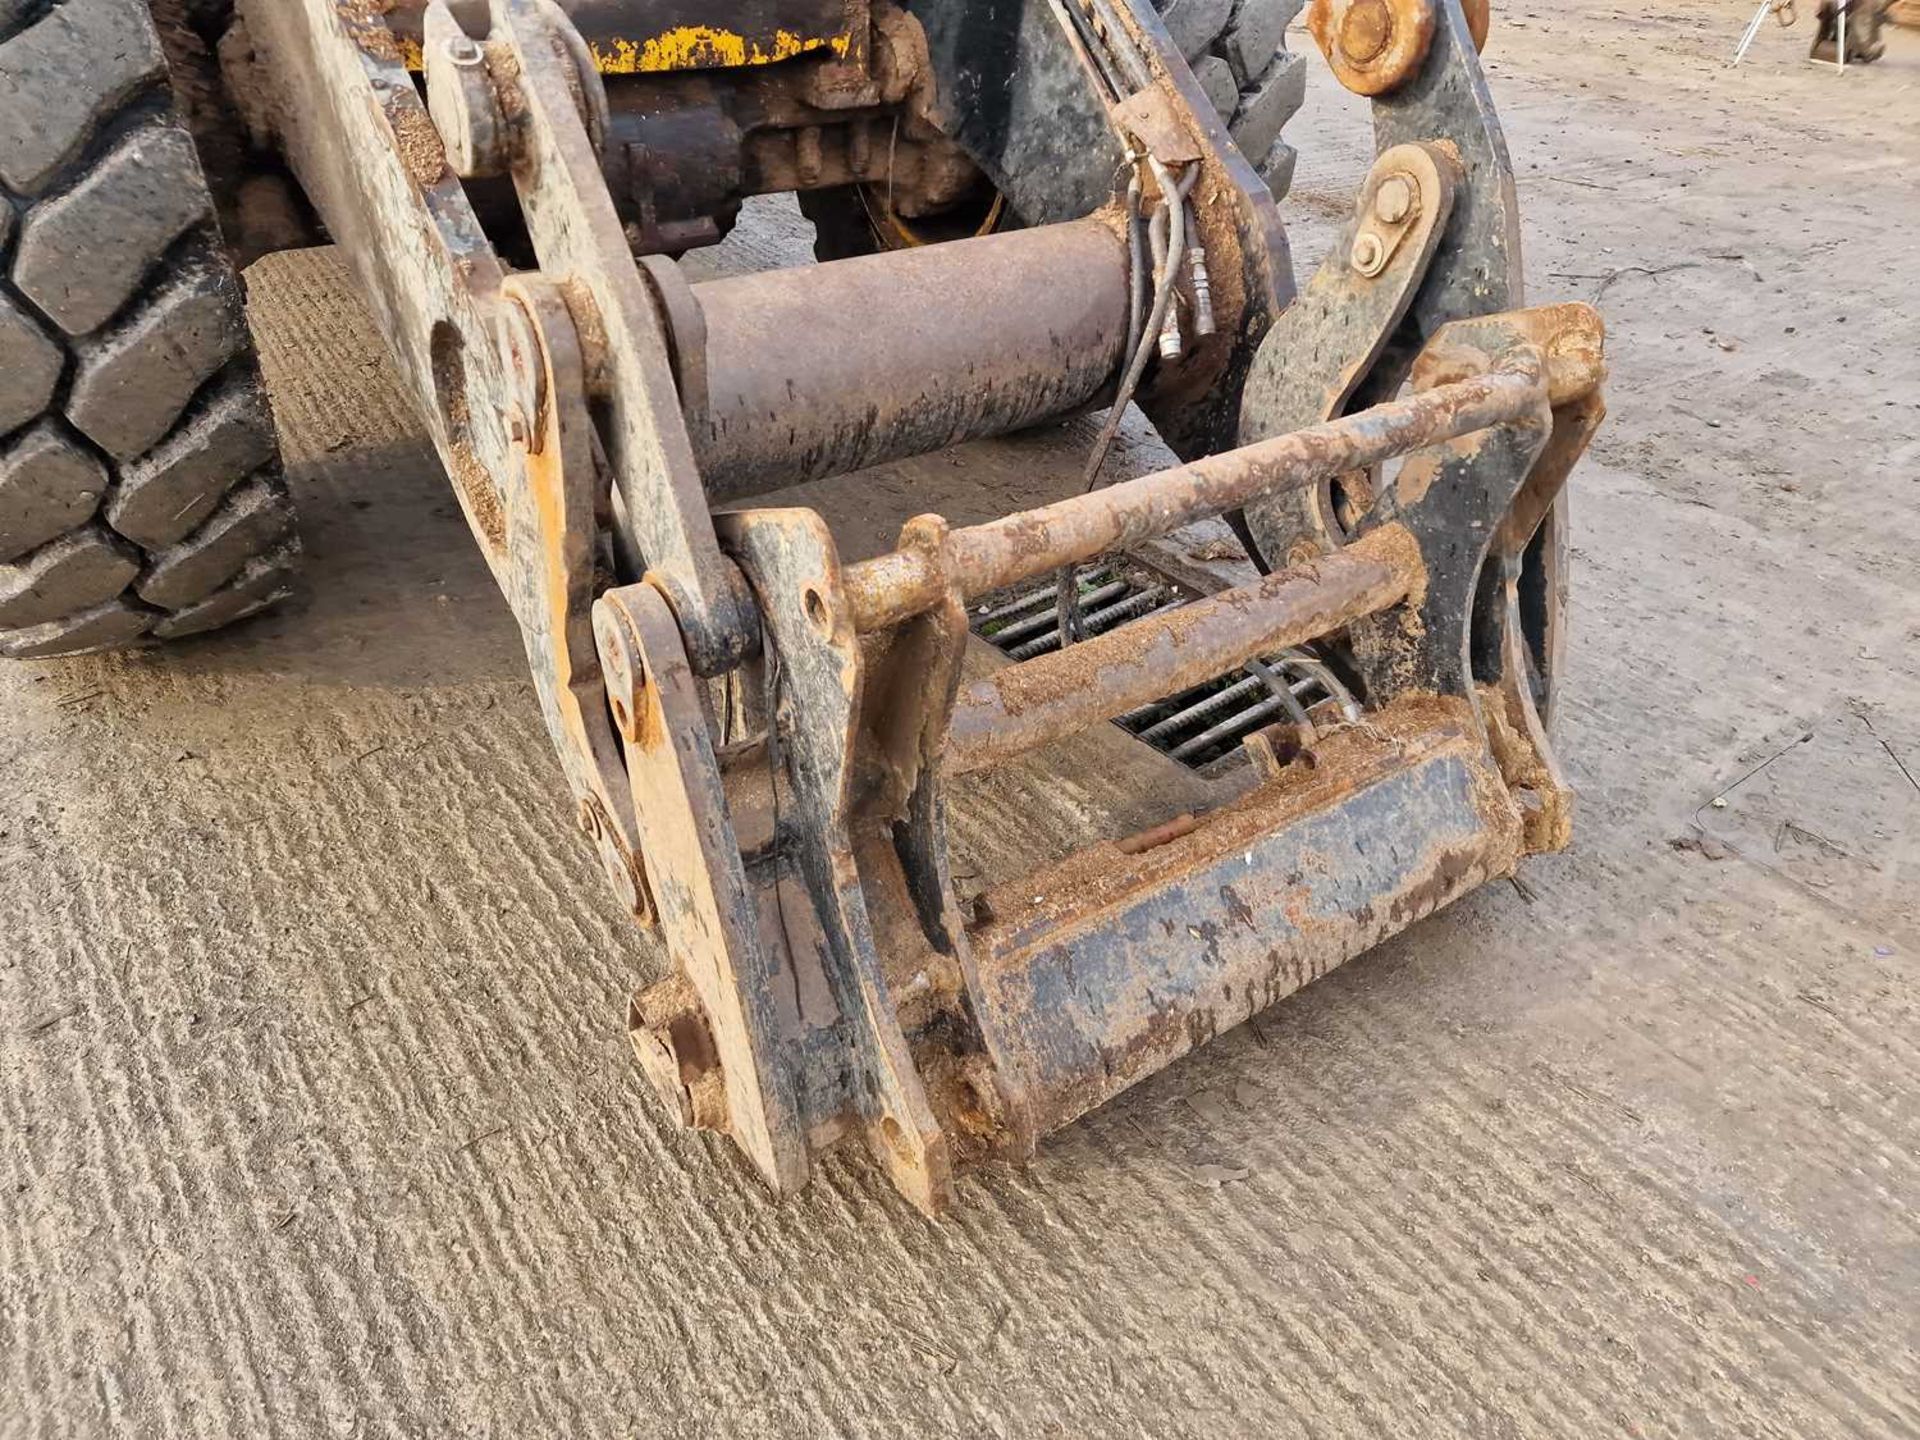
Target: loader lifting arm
[764,742]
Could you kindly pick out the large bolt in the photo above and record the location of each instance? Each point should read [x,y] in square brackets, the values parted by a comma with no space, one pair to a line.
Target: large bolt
[1365,30]
[523,360]
[1373,46]
[1393,201]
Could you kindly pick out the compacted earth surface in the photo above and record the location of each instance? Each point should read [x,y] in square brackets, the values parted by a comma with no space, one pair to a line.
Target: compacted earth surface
[317,1115]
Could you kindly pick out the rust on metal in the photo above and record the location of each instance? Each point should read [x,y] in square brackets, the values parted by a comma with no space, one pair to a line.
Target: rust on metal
[1025,706]
[552,579]
[1109,966]
[698,874]
[1479,20]
[676,1052]
[1159,835]
[884,590]
[1373,46]
[833,368]
[777,733]
[1571,336]
[1342,324]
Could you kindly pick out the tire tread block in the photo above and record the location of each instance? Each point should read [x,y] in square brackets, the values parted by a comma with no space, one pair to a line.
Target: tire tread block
[82,569]
[84,253]
[1195,24]
[31,369]
[48,485]
[254,518]
[104,627]
[1274,101]
[64,77]
[263,581]
[133,381]
[1258,32]
[172,489]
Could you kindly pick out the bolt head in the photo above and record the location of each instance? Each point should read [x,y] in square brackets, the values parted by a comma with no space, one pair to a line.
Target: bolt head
[1393,201]
[464,51]
[616,659]
[1366,30]
[1369,256]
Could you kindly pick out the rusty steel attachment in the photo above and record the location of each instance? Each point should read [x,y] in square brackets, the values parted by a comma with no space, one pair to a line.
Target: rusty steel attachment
[780,758]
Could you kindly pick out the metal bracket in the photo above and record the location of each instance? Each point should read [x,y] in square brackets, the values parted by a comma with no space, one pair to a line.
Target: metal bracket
[1081,94]
[1532,541]
[1478,269]
[1475,270]
[699,878]
[577,233]
[791,562]
[551,574]
[827,980]
[1326,344]
[1476,505]
[1453,497]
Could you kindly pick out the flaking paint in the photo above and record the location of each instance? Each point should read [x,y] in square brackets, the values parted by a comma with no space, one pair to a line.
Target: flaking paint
[690,47]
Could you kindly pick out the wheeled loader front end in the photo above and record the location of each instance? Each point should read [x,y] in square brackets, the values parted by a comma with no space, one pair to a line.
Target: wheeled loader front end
[790,760]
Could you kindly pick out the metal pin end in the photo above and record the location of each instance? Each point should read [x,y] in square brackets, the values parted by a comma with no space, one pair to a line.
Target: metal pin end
[1369,254]
[1393,201]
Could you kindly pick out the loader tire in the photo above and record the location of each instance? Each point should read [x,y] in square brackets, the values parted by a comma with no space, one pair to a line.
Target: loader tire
[141,496]
[1238,52]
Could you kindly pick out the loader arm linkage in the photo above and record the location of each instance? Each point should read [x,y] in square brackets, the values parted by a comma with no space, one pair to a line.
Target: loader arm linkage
[764,742]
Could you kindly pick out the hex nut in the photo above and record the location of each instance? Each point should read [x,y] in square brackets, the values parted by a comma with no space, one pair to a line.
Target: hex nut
[1369,255]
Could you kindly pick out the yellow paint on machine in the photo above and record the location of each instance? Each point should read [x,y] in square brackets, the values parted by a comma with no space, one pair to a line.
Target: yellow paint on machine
[707,47]
[691,47]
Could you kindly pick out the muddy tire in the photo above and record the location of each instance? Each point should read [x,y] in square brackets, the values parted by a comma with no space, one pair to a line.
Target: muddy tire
[140,490]
[1238,52]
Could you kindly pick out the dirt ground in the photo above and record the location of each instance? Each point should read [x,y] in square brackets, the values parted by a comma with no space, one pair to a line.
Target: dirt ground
[316,1114]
